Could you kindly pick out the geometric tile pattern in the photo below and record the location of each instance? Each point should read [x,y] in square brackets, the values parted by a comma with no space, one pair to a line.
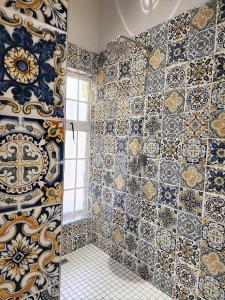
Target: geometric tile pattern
[173,222]
[31,155]
[30,251]
[32,80]
[32,91]
[49,12]
[109,279]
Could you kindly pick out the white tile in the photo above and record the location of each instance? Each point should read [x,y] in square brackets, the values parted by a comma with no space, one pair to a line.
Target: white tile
[91,274]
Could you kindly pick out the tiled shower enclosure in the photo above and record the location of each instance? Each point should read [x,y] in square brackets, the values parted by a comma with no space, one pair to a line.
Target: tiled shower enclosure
[32,87]
[164,220]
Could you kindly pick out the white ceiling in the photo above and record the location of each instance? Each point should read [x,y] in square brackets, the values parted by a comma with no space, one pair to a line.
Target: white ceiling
[94,23]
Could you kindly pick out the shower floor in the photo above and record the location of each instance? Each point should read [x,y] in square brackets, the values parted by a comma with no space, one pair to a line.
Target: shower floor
[90,274]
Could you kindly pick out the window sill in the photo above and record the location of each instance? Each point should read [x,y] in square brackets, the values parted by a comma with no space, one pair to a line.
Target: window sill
[74,219]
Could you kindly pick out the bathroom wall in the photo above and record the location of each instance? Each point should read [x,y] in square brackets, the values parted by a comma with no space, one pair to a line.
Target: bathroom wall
[33,38]
[164,220]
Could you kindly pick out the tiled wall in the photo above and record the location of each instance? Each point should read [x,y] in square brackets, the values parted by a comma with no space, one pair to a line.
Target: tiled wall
[32,87]
[165,220]
[74,236]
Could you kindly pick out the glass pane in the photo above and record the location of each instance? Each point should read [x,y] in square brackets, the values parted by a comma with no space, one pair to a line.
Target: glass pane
[69,174]
[83,90]
[82,144]
[70,144]
[81,198]
[81,173]
[71,110]
[68,202]
[71,88]
[83,112]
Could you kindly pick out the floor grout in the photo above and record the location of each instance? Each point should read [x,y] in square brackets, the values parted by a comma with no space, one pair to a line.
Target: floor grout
[91,274]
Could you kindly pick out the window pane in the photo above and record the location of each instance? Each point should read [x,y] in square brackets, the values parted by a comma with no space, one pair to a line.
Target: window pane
[69,174]
[70,144]
[83,90]
[71,88]
[81,173]
[68,202]
[81,198]
[83,112]
[82,144]
[71,110]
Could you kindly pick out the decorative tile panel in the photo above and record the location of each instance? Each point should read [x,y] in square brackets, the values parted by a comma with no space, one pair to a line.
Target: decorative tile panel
[30,251]
[31,162]
[32,80]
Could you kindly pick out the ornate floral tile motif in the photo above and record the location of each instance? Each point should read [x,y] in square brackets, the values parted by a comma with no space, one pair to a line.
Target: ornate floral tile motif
[221,11]
[198,98]
[175,77]
[30,172]
[167,217]
[168,195]
[158,35]
[194,150]
[147,231]
[172,126]
[157,59]
[216,152]
[179,27]
[32,81]
[202,44]
[50,293]
[188,251]
[217,100]
[30,250]
[152,147]
[149,190]
[215,180]
[177,52]
[152,126]
[153,104]
[174,102]
[196,124]
[186,275]
[192,176]
[219,73]
[146,252]
[220,39]
[163,282]
[191,201]
[189,226]
[48,12]
[166,240]
[200,71]
[203,16]
[155,81]
[214,208]
[171,149]
[170,172]
[125,69]
[165,262]
[216,124]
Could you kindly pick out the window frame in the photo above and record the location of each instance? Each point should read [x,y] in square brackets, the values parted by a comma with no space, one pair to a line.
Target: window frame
[78,126]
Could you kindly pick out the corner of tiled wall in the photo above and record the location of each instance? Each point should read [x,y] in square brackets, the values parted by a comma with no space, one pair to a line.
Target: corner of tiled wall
[33,37]
[165,221]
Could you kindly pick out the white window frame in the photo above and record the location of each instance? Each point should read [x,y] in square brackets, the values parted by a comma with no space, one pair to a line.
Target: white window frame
[79,126]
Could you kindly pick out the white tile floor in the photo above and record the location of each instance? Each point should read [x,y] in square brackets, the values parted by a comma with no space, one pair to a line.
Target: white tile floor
[91,274]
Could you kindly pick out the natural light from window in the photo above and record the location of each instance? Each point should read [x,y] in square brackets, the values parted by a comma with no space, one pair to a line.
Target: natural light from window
[76,146]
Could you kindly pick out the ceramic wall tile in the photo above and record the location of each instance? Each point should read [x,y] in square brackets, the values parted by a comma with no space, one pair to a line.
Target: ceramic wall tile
[31,162]
[30,250]
[49,12]
[171,207]
[32,81]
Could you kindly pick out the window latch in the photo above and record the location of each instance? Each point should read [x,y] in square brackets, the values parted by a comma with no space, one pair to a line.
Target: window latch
[73,130]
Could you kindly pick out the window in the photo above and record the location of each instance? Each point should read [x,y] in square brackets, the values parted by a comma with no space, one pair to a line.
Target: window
[76,145]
